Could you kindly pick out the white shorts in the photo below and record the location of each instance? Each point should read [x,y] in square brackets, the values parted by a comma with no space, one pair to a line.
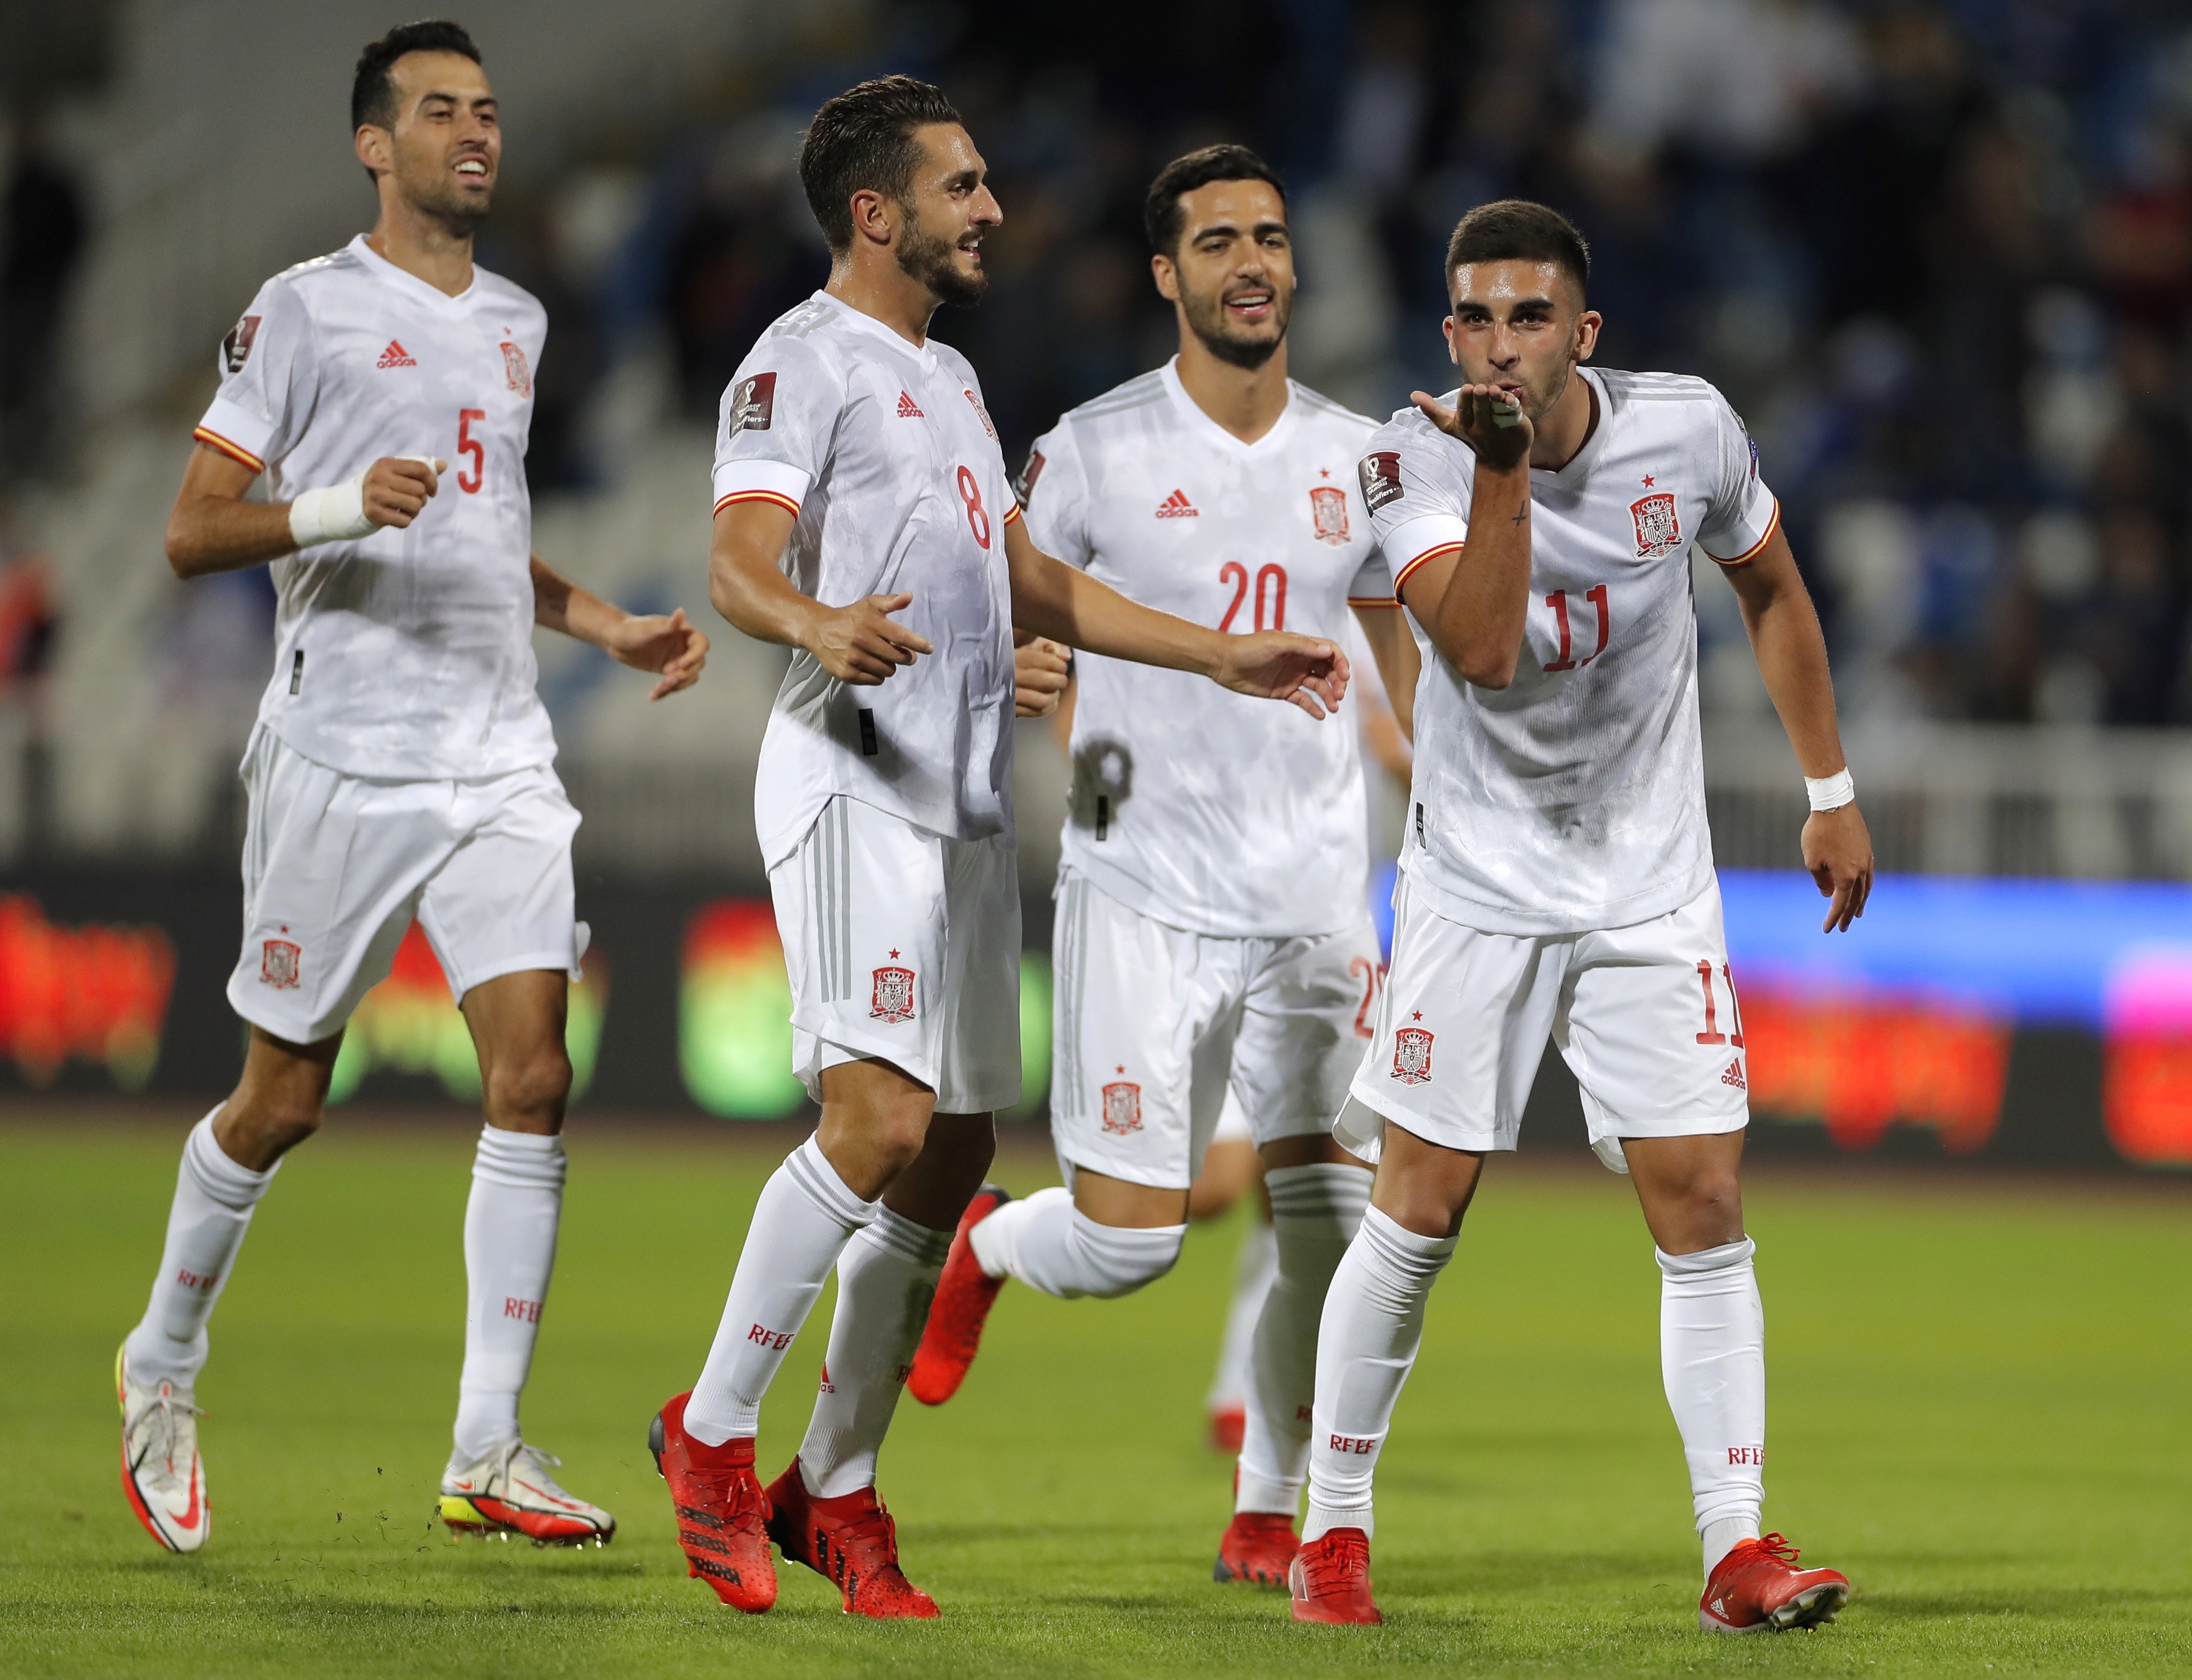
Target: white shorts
[335,866]
[1154,1024]
[903,947]
[1645,1015]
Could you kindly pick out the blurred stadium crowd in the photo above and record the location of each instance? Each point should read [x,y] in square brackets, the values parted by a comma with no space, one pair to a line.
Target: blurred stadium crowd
[1938,252]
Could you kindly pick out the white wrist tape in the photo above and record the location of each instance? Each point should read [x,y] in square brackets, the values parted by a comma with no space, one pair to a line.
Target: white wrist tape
[337,513]
[1831,794]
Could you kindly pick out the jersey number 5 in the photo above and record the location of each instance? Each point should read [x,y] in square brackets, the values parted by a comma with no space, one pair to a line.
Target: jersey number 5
[469,445]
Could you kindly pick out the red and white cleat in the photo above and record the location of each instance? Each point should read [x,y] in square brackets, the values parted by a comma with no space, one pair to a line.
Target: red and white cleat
[1229,1424]
[509,1491]
[722,1514]
[1258,1546]
[964,1294]
[1330,1578]
[161,1471]
[849,1539]
[1757,1589]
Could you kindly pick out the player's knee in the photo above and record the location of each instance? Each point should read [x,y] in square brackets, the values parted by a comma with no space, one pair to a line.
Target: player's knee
[534,1083]
[1119,1261]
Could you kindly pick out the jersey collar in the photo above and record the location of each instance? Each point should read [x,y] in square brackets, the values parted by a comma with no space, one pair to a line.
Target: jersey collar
[1273,442]
[404,280]
[923,353]
[1572,476]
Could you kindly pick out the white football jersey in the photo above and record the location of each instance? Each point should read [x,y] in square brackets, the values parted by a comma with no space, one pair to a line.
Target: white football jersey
[408,654]
[1573,800]
[883,450]
[1206,809]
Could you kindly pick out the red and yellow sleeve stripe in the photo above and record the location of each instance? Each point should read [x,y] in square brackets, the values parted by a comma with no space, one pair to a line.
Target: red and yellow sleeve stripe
[1012,513]
[235,451]
[1401,577]
[773,496]
[1757,548]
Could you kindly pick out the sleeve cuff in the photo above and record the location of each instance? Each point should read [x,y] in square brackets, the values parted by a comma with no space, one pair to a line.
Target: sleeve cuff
[1409,546]
[770,481]
[235,432]
[1749,538]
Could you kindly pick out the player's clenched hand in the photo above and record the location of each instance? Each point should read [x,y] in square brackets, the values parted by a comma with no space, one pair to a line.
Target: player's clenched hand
[669,646]
[398,487]
[860,644]
[1278,664]
[1484,418]
[1041,670]
[1838,851]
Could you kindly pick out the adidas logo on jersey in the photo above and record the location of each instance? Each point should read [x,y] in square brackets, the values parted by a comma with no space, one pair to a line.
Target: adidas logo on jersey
[908,408]
[395,356]
[1178,506]
[1734,1077]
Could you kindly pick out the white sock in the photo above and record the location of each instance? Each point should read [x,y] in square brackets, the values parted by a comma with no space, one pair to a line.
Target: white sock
[805,1217]
[1254,1264]
[1712,1357]
[1315,1211]
[1372,1325]
[886,1280]
[509,1251]
[206,1223]
[1051,1245]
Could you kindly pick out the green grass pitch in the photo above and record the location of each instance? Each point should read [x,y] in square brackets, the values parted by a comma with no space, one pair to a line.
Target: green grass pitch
[1981,1394]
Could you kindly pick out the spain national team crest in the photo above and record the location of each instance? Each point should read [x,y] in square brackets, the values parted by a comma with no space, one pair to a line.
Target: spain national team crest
[983,412]
[1123,1107]
[1411,1055]
[515,369]
[1658,529]
[892,1001]
[277,964]
[1327,506]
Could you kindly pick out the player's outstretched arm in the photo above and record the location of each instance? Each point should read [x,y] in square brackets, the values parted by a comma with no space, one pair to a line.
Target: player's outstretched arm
[858,644]
[668,646]
[1792,658]
[1051,599]
[1474,605]
[213,528]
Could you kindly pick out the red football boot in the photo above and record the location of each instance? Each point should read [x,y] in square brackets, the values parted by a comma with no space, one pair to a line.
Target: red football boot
[1258,1546]
[849,1539]
[722,1511]
[1228,1425]
[1757,1589]
[1330,1578]
[964,1296]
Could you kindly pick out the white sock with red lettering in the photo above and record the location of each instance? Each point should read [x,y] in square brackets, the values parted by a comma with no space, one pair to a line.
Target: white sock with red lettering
[214,1200]
[1051,1245]
[1315,1211]
[509,1251]
[1255,1264]
[1712,1357]
[886,1280]
[1367,1343]
[806,1215]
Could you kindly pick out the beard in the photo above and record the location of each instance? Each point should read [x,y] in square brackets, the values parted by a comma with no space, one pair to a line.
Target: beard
[437,197]
[925,258]
[1207,318]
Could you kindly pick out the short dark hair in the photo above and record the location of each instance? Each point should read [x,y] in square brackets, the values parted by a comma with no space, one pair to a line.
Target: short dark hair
[1162,216]
[1515,230]
[372,90]
[863,138]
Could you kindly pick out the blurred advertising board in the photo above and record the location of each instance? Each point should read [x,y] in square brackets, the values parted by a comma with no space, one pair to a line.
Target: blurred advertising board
[2032,1021]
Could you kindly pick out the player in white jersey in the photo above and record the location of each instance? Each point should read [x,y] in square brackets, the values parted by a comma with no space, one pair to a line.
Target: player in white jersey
[401,763]
[863,518]
[1557,876]
[1213,924]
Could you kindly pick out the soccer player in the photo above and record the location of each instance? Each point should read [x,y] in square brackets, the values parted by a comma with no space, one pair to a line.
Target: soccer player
[402,760]
[1213,923]
[1557,875]
[863,518]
